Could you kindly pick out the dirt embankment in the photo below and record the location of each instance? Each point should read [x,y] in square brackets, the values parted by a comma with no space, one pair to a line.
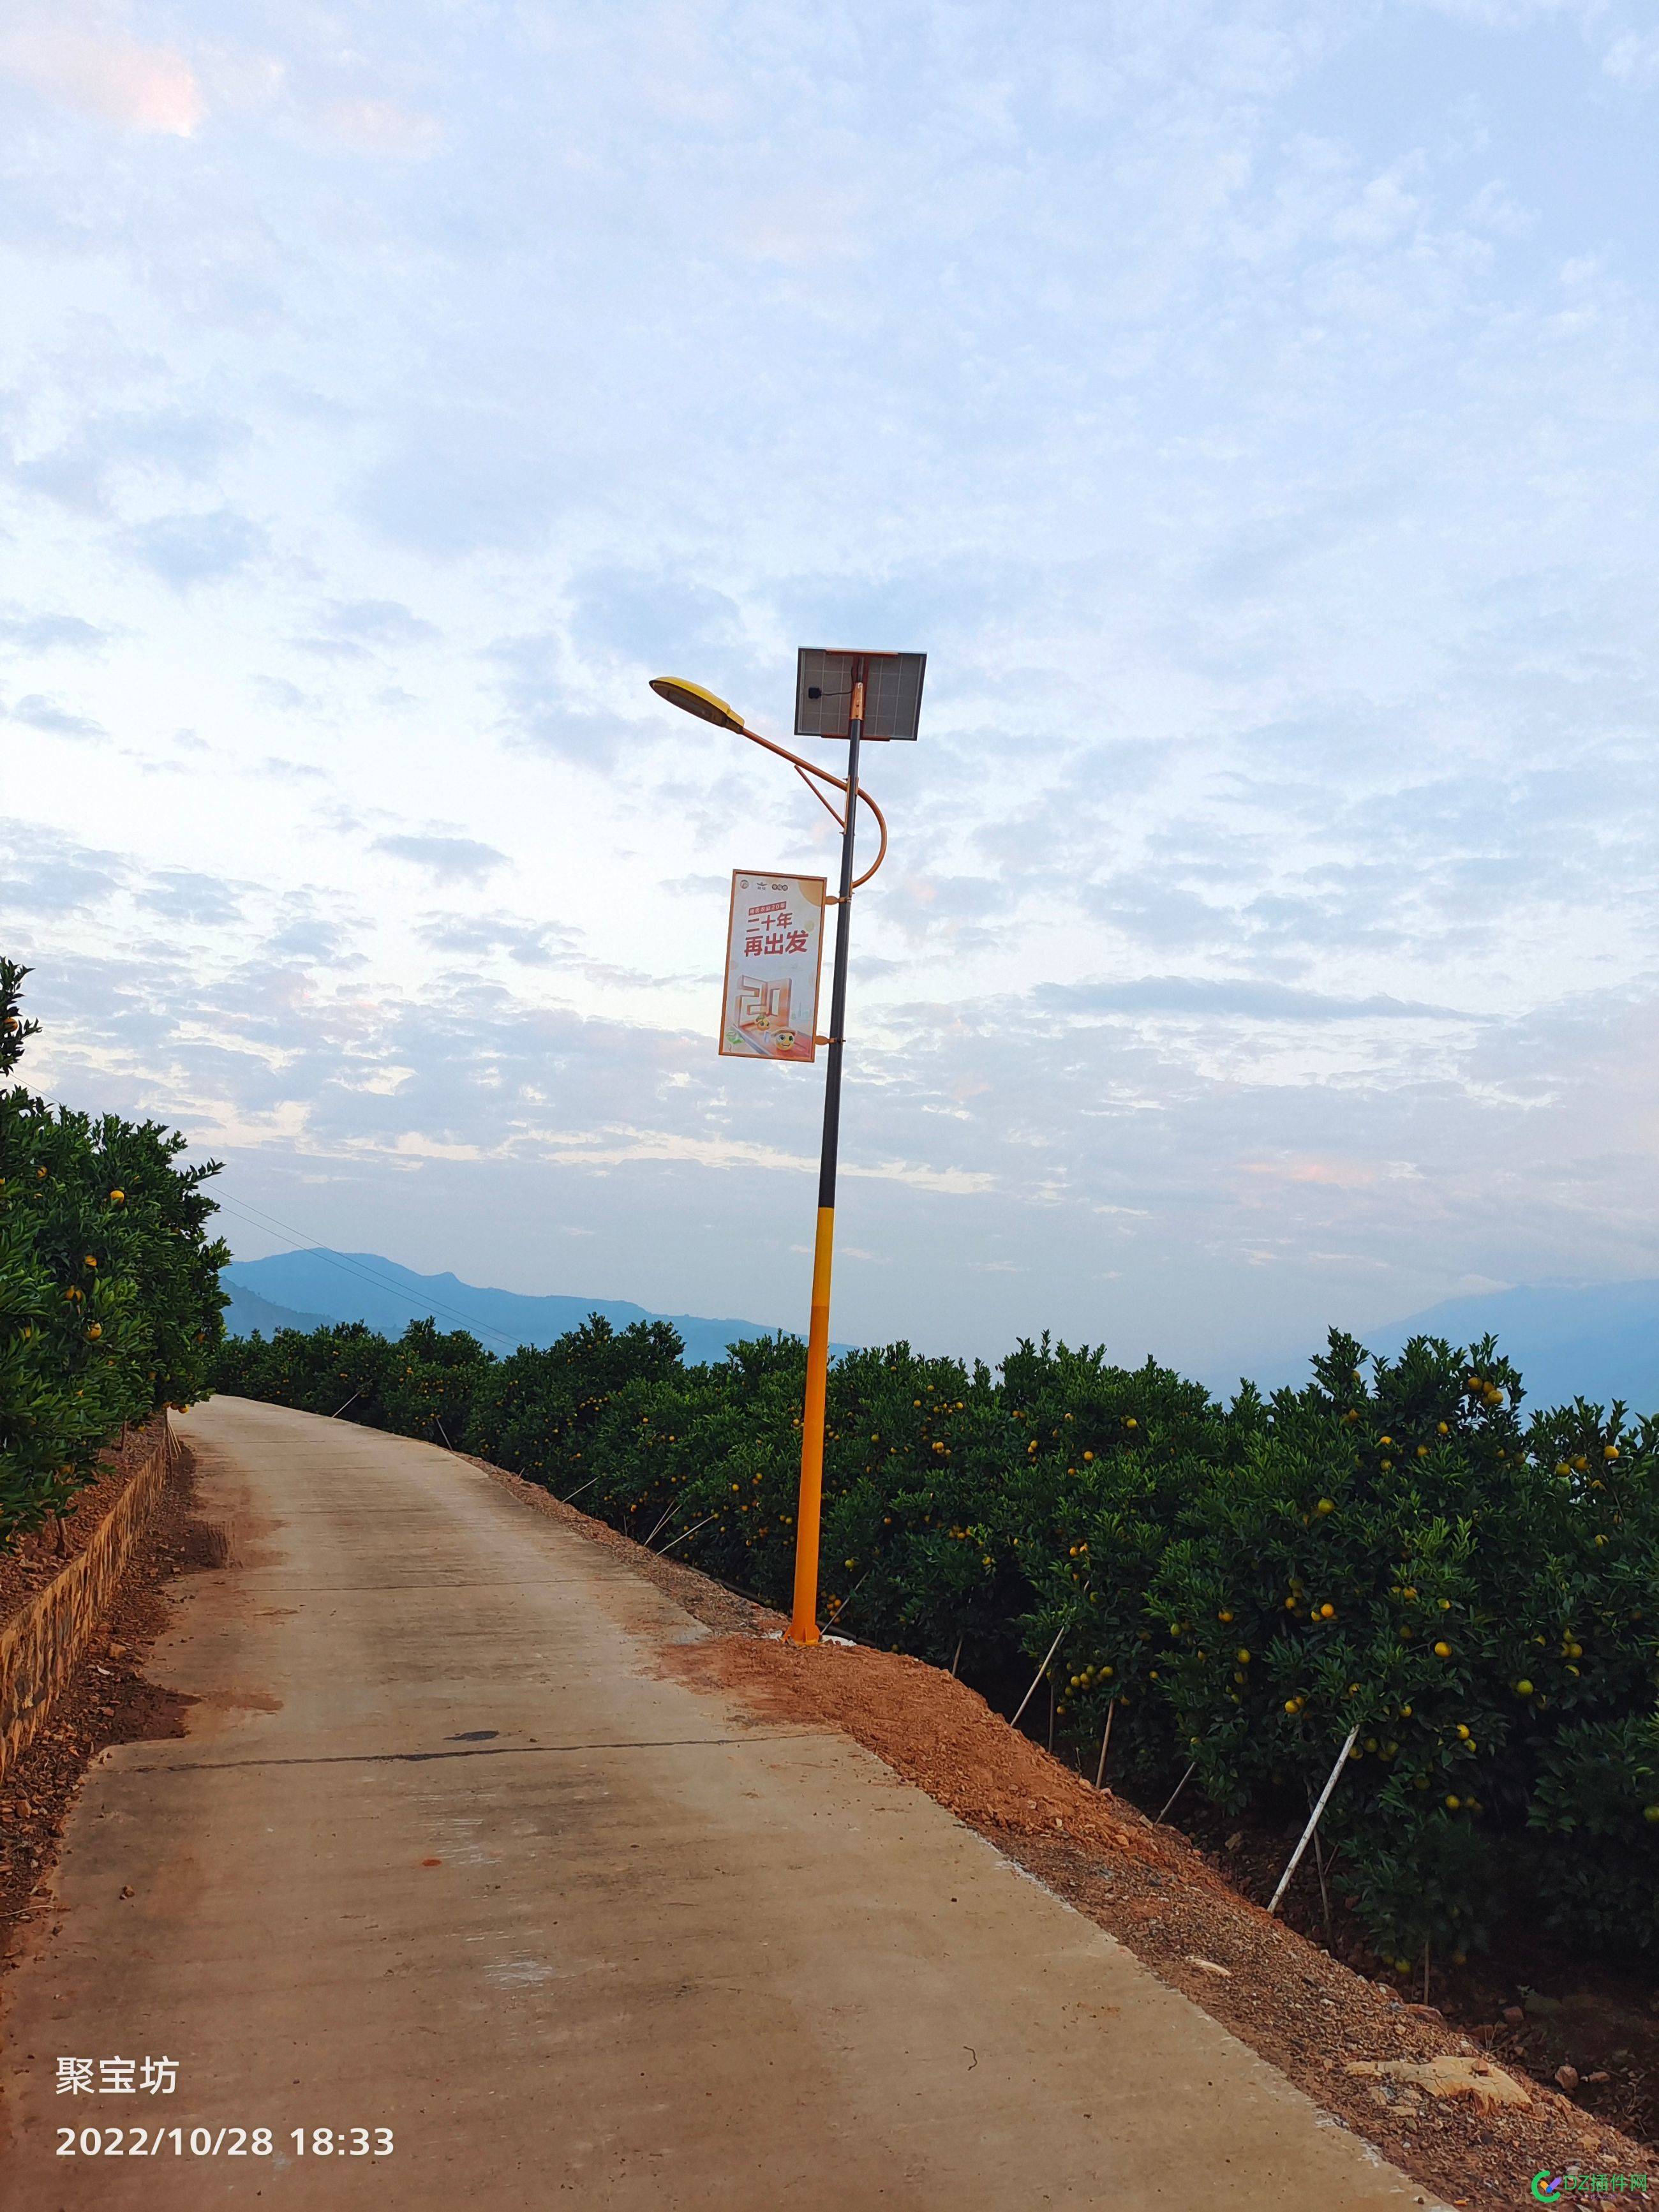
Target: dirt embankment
[105,1700]
[41,1555]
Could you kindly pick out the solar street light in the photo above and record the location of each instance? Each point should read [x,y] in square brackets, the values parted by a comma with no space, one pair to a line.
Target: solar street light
[859,697]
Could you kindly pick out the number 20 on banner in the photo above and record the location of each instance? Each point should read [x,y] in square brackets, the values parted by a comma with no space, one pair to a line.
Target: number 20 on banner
[774,954]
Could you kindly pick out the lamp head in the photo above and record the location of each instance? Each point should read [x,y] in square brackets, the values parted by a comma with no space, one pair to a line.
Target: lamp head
[696,701]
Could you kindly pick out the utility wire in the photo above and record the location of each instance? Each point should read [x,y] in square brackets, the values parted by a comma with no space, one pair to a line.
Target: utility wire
[257,1219]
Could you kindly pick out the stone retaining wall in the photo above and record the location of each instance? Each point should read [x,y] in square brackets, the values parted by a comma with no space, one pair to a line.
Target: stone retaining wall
[39,1647]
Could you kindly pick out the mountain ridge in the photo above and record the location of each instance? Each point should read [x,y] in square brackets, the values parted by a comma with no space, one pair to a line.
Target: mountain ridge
[321,1285]
[1598,1340]
[1595,1341]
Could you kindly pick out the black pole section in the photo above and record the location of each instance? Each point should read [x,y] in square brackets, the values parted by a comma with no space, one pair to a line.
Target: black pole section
[838,983]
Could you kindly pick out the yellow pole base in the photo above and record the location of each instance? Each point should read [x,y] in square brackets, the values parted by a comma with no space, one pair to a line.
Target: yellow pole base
[804,1623]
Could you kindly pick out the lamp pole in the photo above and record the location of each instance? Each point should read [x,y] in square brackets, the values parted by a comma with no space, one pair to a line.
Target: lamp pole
[824,681]
[803,1620]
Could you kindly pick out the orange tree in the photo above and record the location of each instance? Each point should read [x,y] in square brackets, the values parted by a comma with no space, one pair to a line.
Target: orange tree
[536,1410]
[700,1458]
[421,1385]
[958,1497]
[428,1390]
[109,1296]
[1585,1689]
[343,1369]
[1391,1550]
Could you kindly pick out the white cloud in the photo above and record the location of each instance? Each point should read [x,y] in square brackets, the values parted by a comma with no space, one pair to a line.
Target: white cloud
[194,549]
[50,715]
[1229,397]
[1633,58]
[446,859]
[381,127]
[109,76]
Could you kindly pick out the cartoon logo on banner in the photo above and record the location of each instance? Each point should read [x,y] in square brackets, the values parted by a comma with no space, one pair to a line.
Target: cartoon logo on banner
[773,953]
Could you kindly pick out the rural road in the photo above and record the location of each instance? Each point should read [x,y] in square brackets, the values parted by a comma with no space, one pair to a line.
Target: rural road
[444,1854]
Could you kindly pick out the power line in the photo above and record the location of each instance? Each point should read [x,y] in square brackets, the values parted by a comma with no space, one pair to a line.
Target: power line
[256,1218]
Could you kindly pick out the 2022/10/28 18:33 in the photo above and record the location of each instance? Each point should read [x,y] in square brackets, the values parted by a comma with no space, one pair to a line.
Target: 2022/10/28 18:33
[222,2143]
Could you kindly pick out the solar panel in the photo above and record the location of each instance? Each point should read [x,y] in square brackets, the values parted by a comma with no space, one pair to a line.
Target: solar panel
[892,692]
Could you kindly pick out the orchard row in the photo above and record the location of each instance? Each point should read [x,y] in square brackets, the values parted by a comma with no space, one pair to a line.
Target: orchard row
[1394,1549]
[109,1283]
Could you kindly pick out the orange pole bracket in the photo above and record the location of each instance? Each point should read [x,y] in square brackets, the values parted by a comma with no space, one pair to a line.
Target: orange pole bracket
[806,768]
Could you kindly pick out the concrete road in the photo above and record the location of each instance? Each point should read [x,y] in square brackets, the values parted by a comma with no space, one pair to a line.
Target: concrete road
[443,1856]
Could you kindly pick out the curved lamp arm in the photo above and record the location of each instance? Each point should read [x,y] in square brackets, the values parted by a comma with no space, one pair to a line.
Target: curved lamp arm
[806,768]
[695,699]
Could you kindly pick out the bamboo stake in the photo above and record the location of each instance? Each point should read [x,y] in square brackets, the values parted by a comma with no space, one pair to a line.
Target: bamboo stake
[580,1486]
[1179,1787]
[691,1531]
[669,1515]
[1100,1772]
[840,1610]
[351,1400]
[1319,1861]
[956,1655]
[1313,1819]
[1040,1671]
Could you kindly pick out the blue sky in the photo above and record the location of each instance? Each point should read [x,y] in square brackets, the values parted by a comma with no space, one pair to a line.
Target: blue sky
[1250,410]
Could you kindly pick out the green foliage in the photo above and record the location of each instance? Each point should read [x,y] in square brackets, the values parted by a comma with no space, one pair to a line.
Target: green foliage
[536,1412]
[109,1296]
[422,1385]
[1391,1549]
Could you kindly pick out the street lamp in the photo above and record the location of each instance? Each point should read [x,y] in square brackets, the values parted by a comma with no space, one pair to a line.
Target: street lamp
[864,697]
[696,701]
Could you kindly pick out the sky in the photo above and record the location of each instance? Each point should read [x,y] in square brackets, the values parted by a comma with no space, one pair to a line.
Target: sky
[1249,408]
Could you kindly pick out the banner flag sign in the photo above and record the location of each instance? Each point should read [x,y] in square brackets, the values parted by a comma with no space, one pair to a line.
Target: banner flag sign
[774,951]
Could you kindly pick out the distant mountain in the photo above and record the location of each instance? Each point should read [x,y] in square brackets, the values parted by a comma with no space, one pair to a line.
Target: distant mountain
[332,1286]
[1600,1342]
[248,1311]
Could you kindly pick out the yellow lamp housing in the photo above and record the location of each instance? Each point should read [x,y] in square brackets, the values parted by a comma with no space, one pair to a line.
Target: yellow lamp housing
[696,701]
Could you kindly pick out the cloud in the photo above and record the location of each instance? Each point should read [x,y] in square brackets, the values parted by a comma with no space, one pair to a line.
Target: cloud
[39,713]
[47,633]
[809,225]
[467,477]
[288,698]
[696,886]
[187,895]
[381,127]
[47,873]
[1633,58]
[1232,998]
[384,621]
[350,629]
[1270,492]
[545,708]
[531,944]
[327,939]
[193,549]
[448,859]
[110,77]
[653,616]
